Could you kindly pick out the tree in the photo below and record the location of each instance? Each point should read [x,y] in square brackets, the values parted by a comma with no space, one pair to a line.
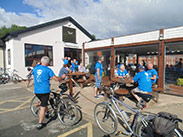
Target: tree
[4,30]
[93,36]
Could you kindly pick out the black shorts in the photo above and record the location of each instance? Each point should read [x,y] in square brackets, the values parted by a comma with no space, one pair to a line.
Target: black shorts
[43,98]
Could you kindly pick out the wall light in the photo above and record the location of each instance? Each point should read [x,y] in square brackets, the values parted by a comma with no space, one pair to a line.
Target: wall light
[160,36]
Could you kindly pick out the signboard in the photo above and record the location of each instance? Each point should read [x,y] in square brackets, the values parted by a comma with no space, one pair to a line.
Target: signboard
[69,34]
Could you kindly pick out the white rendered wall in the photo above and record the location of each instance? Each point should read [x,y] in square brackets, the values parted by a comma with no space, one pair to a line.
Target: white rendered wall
[1,58]
[51,36]
[176,32]
[98,43]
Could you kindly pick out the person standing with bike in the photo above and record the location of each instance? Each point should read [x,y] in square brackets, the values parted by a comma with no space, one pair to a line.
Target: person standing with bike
[42,75]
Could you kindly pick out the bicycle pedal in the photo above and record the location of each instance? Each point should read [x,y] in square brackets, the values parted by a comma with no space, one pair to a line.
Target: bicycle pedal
[124,133]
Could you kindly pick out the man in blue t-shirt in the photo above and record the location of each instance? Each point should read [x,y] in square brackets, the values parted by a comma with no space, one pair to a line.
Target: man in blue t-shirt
[122,72]
[73,66]
[66,60]
[42,75]
[98,75]
[152,73]
[144,83]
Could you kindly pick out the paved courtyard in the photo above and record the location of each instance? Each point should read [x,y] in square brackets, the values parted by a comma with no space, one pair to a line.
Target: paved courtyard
[16,118]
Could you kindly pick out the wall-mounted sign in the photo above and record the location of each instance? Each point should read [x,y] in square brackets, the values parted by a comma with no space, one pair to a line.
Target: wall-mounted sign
[69,34]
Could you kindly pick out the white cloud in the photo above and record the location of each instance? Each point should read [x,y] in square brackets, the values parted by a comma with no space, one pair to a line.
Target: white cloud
[23,19]
[105,18]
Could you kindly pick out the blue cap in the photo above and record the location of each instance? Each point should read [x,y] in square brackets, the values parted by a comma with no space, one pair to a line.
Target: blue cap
[141,67]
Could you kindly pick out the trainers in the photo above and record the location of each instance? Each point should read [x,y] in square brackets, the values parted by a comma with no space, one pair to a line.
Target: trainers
[140,103]
[39,126]
[99,95]
[47,115]
[96,97]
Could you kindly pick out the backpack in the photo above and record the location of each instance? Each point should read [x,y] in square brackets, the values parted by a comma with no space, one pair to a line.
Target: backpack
[164,124]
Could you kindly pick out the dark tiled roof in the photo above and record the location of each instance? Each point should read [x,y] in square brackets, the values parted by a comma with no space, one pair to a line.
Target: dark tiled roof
[16,33]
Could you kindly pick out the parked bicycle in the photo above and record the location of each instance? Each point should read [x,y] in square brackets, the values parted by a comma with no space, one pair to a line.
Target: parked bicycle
[61,105]
[8,75]
[108,114]
[4,77]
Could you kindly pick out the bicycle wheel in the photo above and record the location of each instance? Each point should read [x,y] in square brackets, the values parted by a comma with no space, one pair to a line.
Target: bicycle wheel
[15,78]
[35,106]
[67,112]
[105,118]
[5,78]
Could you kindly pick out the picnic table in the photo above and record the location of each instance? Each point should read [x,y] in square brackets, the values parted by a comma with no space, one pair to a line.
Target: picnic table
[126,80]
[71,82]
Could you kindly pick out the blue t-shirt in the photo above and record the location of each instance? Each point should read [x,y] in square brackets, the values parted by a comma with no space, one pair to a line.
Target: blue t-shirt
[76,66]
[118,66]
[152,72]
[42,75]
[73,67]
[66,61]
[120,73]
[100,67]
[63,70]
[144,81]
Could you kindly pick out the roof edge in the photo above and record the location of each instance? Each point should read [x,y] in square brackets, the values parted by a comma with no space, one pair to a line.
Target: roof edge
[69,18]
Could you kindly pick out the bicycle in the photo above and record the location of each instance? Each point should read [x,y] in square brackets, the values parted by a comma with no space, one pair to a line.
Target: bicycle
[4,77]
[60,105]
[107,119]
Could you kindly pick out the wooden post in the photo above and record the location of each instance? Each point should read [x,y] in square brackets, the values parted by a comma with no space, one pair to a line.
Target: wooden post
[161,55]
[70,86]
[83,54]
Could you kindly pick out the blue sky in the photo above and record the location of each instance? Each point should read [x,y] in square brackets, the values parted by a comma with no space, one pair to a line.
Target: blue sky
[104,18]
[16,6]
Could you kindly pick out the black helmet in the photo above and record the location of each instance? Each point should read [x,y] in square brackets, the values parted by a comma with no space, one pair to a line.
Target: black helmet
[63,87]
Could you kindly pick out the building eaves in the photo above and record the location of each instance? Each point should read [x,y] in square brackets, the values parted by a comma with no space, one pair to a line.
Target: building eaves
[16,33]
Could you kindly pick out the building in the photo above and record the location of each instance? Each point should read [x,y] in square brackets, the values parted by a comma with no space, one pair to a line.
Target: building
[1,56]
[56,39]
[163,48]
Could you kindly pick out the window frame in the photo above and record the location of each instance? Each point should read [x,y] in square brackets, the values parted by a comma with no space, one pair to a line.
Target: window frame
[32,57]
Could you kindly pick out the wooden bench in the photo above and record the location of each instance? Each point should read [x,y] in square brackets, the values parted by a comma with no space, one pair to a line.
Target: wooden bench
[155,93]
[121,93]
[81,82]
[91,80]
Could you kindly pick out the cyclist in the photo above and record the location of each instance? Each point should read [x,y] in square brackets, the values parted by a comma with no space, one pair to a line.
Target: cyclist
[144,84]
[98,75]
[122,72]
[63,72]
[42,75]
[152,73]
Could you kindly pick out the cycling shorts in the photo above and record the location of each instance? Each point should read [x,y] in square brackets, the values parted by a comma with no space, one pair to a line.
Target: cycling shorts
[43,98]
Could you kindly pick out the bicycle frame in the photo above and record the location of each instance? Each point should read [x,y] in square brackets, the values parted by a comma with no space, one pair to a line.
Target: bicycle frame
[131,128]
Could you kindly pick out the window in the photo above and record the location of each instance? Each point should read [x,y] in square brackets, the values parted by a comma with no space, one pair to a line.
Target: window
[35,52]
[9,57]
[69,34]
[73,53]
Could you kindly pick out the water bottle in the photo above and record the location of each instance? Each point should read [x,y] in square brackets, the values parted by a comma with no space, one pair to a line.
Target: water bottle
[125,115]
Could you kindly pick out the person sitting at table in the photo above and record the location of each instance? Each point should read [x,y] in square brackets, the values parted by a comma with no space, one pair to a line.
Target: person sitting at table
[152,73]
[144,84]
[76,64]
[82,68]
[73,69]
[98,75]
[122,72]
[63,72]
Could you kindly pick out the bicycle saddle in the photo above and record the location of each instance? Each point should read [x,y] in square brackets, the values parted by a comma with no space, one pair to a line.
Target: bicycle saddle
[145,97]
